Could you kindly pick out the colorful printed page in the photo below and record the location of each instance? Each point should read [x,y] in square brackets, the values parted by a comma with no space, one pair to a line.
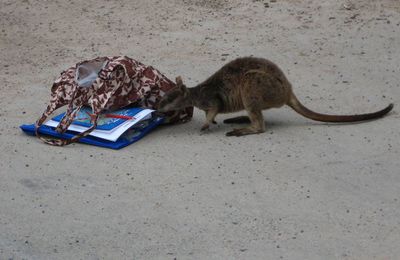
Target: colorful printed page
[106,120]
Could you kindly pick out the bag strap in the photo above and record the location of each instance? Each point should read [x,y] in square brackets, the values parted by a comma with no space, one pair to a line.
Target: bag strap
[62,142]
[56,103]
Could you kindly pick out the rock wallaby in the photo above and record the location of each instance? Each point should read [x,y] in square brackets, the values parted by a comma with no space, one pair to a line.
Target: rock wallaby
[249,83]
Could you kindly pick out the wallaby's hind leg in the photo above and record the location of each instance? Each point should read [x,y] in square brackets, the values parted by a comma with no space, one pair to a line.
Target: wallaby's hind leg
[254,98]
[257,125]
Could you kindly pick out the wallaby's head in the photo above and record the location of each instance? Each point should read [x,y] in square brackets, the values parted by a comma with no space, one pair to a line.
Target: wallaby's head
[175,99]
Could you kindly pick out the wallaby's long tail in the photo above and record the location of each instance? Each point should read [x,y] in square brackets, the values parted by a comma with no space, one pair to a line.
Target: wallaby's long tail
[302,110]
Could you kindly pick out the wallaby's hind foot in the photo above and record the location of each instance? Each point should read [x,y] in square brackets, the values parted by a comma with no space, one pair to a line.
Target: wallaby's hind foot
[238,120]
[257,125]
[244,131]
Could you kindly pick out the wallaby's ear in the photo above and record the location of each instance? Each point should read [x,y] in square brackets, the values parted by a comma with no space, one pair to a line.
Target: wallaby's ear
[178,81]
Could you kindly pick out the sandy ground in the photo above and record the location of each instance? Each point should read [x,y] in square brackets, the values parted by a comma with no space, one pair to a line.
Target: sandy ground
[302,190]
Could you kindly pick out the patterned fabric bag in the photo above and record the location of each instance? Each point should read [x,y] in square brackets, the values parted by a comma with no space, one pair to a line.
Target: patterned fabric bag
[107,83]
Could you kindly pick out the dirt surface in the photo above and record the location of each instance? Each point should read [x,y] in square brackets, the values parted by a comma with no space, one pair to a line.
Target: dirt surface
[302,190]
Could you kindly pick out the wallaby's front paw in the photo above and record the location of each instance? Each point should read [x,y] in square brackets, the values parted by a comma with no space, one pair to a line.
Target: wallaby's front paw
[205,127]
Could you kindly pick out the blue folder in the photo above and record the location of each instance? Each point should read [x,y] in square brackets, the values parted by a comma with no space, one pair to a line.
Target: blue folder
[132,135]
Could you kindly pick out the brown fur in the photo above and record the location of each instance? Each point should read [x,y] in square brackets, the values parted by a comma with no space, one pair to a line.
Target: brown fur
[251,84]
